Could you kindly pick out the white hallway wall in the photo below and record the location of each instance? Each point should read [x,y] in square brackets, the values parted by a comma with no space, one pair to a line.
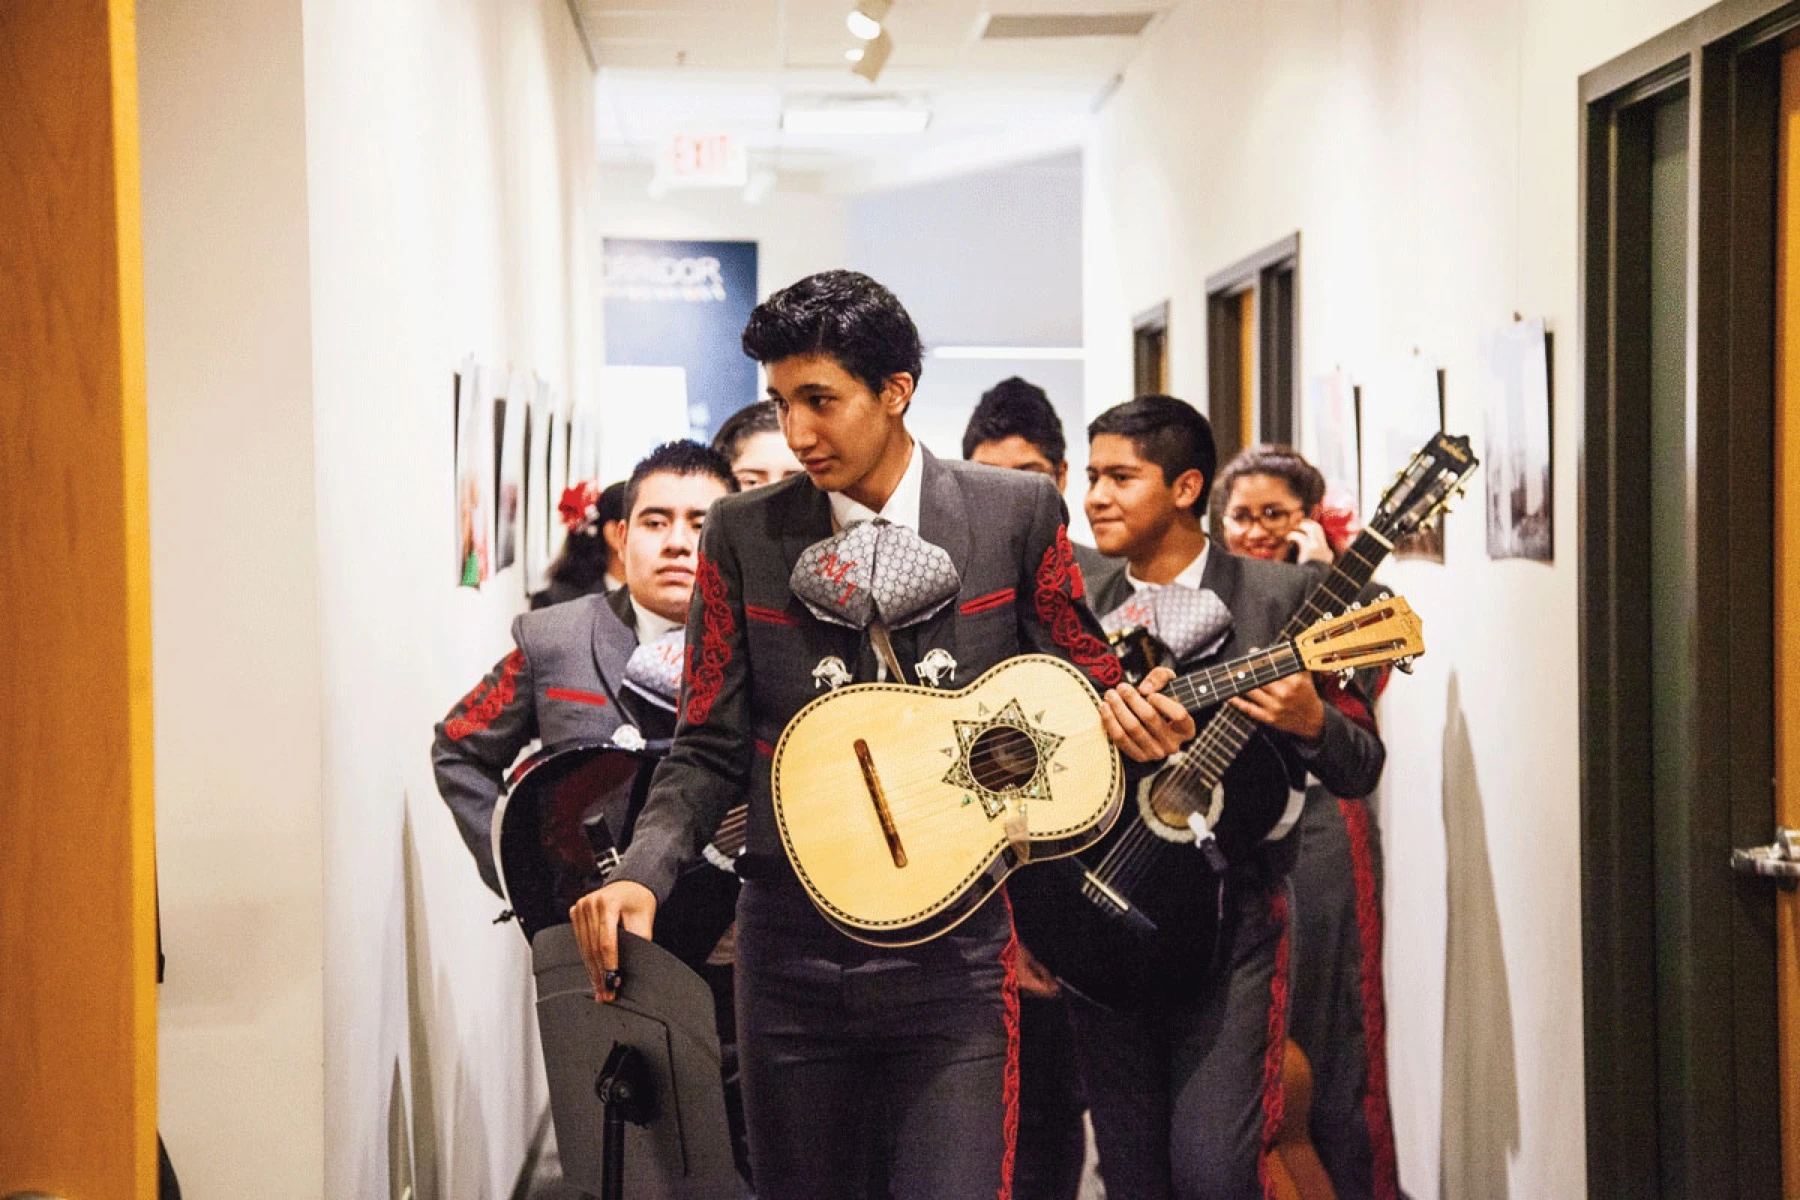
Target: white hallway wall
[341,201]
[234,601]
[1426,150]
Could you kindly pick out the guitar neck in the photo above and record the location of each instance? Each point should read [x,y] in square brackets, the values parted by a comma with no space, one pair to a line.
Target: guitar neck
[1354,568]
[1211,754]
[1217,684]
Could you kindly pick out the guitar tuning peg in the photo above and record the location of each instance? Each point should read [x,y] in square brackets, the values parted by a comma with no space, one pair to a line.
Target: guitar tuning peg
[1405,666]
[1345,676]
[1356,606]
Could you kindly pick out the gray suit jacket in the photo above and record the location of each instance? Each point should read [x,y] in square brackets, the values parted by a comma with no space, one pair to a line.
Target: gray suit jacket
[1262,595]
[752,645]
[561,683]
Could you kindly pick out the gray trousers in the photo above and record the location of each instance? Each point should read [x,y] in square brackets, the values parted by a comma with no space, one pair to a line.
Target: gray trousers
[862,1064]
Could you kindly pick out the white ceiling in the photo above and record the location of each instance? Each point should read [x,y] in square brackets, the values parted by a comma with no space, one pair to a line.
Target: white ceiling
[731,66]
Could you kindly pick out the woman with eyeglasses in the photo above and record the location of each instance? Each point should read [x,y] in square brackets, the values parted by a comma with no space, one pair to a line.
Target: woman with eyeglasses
[1270,504]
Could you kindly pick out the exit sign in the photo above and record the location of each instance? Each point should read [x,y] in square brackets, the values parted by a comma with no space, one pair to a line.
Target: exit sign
[704,160]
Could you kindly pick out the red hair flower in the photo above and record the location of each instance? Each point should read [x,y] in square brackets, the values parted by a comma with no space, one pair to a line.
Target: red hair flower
[580,505]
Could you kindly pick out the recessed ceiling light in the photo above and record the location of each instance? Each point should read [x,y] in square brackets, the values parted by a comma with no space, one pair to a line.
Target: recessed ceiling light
[856,120]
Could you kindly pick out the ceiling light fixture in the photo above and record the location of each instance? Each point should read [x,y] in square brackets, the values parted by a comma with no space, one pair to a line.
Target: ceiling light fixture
[865,19]
[854,54]
[873,57]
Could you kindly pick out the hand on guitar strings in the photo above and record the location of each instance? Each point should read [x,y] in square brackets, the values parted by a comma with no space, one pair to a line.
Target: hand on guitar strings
[597,917]
[1144,724]
[1291,705]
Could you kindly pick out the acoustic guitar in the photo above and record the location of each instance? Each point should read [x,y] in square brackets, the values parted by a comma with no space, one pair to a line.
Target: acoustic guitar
[555,841]
[902,808]
[1133,922]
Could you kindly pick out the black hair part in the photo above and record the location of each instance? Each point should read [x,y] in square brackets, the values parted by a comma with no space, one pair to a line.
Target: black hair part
[744,424]
[843,314]
[1278,462]
[1015,408]
[1168,432]
[685,457]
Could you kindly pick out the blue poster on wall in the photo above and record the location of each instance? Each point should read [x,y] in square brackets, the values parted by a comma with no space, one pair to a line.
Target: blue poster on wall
[684,304]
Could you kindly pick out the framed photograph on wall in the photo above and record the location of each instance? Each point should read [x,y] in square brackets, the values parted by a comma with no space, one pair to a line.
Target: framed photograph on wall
[473,493]
[1517,453]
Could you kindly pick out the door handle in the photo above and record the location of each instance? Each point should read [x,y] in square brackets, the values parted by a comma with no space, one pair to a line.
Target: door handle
[1778,861]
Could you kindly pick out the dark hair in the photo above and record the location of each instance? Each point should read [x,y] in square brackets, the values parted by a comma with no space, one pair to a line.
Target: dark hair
[1015,408]
[610,506]
[844,314]
[744,424]
[1278,462]
[1168,432]
[685,457]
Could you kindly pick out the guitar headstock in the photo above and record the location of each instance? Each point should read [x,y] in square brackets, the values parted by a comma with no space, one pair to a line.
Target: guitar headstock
[1423,490]
[1385,631]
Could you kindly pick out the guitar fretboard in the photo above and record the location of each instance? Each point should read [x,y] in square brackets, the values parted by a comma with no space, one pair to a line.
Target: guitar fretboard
[1214,685]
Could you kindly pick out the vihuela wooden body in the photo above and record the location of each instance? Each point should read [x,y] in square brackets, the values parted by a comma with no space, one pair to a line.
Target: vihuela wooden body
[902,808]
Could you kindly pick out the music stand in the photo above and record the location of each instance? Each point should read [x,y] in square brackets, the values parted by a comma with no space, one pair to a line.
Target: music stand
[634,1085]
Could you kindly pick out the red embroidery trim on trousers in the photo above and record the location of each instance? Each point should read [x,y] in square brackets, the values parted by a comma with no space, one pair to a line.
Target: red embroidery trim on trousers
[1009,1121]
[1273,1101]
[482,706]
[1059,588]
[707,661]
[1385,1184]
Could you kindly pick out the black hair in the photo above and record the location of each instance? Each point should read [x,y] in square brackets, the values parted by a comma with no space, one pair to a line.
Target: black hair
[744,424]
[1278,462]
[610,506]
[844,314]
[1015,408]
[684,457]
[1168,432]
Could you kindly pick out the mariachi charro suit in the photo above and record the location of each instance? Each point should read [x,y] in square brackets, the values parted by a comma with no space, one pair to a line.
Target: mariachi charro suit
[845,1045]
[562,682]
[1183,1105]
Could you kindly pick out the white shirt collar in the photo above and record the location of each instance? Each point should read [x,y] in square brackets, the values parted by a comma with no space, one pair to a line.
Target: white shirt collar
[1189,577]
[651,626]
[902,508]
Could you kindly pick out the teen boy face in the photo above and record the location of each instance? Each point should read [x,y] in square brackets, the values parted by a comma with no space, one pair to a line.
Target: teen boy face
[1130,506]
[1014,453]
[848,438]
[662,537]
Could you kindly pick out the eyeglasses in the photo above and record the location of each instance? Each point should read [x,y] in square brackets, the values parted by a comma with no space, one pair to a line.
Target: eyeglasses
[1270,516]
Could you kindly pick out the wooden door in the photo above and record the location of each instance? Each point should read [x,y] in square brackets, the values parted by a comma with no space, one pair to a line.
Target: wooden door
[1787,604]
[77,937]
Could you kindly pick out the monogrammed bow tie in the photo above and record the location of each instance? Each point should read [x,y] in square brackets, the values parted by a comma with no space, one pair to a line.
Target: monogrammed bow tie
[654,669]
[1190,621]
[874,569]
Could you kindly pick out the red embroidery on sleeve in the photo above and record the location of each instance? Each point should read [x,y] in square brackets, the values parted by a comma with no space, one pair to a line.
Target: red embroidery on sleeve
[1059,588]
[707,661]
[481,707]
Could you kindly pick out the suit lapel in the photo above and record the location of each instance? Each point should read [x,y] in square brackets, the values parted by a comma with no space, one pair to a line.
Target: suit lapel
[614,637]
[1223,576]
[943,521]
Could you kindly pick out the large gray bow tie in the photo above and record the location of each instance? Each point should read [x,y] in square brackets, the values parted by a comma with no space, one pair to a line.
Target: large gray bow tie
[1190,621]
[654,669]
[874,569]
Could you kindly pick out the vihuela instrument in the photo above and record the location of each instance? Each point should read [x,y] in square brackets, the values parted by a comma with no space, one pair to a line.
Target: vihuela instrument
[902,808]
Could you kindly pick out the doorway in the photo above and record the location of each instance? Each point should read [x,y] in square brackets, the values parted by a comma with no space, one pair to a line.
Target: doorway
[1682,173]
[1252,347]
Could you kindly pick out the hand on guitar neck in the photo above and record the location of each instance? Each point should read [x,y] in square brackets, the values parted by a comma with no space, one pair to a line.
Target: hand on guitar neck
[1142,722]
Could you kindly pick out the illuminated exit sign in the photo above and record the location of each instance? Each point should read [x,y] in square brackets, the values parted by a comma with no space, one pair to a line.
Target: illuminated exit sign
[704,160]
